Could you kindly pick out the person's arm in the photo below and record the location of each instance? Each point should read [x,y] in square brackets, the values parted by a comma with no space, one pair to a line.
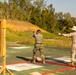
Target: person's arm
[34,34]
[68,35]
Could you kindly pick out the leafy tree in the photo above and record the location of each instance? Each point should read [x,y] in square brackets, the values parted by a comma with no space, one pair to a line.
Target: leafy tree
[1,10]
[38,5]
[38,13]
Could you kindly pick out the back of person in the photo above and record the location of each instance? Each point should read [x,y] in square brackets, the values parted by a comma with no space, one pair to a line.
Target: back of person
[38,46]
[73,47]
[38,38]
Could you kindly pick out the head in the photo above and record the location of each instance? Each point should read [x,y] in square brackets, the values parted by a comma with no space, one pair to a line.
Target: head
[74,28]
[38,31]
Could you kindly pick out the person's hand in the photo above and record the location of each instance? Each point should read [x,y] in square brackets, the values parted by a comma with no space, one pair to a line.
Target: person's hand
[59,34]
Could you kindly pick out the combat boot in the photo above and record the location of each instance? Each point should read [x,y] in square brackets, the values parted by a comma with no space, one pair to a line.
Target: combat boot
[43,62]
[71,63]
[33,61]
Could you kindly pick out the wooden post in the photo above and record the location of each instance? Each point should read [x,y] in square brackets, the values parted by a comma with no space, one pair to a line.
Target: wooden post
[3,47]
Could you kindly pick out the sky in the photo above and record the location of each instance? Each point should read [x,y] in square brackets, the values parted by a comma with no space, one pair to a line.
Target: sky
[64,6]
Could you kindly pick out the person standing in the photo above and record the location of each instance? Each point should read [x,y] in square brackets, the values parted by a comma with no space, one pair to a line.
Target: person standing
[73,47]
[38,46]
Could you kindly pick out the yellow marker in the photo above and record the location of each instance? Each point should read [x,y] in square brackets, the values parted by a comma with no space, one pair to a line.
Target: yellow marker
[3,47]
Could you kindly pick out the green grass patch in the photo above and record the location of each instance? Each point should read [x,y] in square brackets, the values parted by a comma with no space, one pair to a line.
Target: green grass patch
[21,55]
[50,39]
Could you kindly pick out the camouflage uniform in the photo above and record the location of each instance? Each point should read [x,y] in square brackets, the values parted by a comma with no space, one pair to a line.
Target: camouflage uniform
[38,46]
[73,48]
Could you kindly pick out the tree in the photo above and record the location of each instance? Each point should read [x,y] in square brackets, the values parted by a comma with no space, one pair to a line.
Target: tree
[37,7]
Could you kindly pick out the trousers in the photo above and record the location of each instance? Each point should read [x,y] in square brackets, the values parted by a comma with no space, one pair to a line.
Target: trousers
[40,48]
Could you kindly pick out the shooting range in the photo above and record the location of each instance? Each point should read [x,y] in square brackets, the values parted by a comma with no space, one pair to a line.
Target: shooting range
[3,47]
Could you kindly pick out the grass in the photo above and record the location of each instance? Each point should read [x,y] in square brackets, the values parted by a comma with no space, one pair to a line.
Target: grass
[57,43]
[21,33]
[20,55]
[50,39]
[55,46]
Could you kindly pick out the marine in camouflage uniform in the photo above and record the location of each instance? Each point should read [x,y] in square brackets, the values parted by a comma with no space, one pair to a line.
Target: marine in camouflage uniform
[38,46]
[73,48]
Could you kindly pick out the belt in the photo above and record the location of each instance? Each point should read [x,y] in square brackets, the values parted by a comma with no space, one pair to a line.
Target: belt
[38,43]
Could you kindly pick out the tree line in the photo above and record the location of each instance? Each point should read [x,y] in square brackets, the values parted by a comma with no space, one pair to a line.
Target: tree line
[39,13]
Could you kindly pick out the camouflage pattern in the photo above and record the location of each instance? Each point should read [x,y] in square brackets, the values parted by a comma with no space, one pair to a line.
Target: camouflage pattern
[38,37]
[38,46]
[73,48]
[73,52]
